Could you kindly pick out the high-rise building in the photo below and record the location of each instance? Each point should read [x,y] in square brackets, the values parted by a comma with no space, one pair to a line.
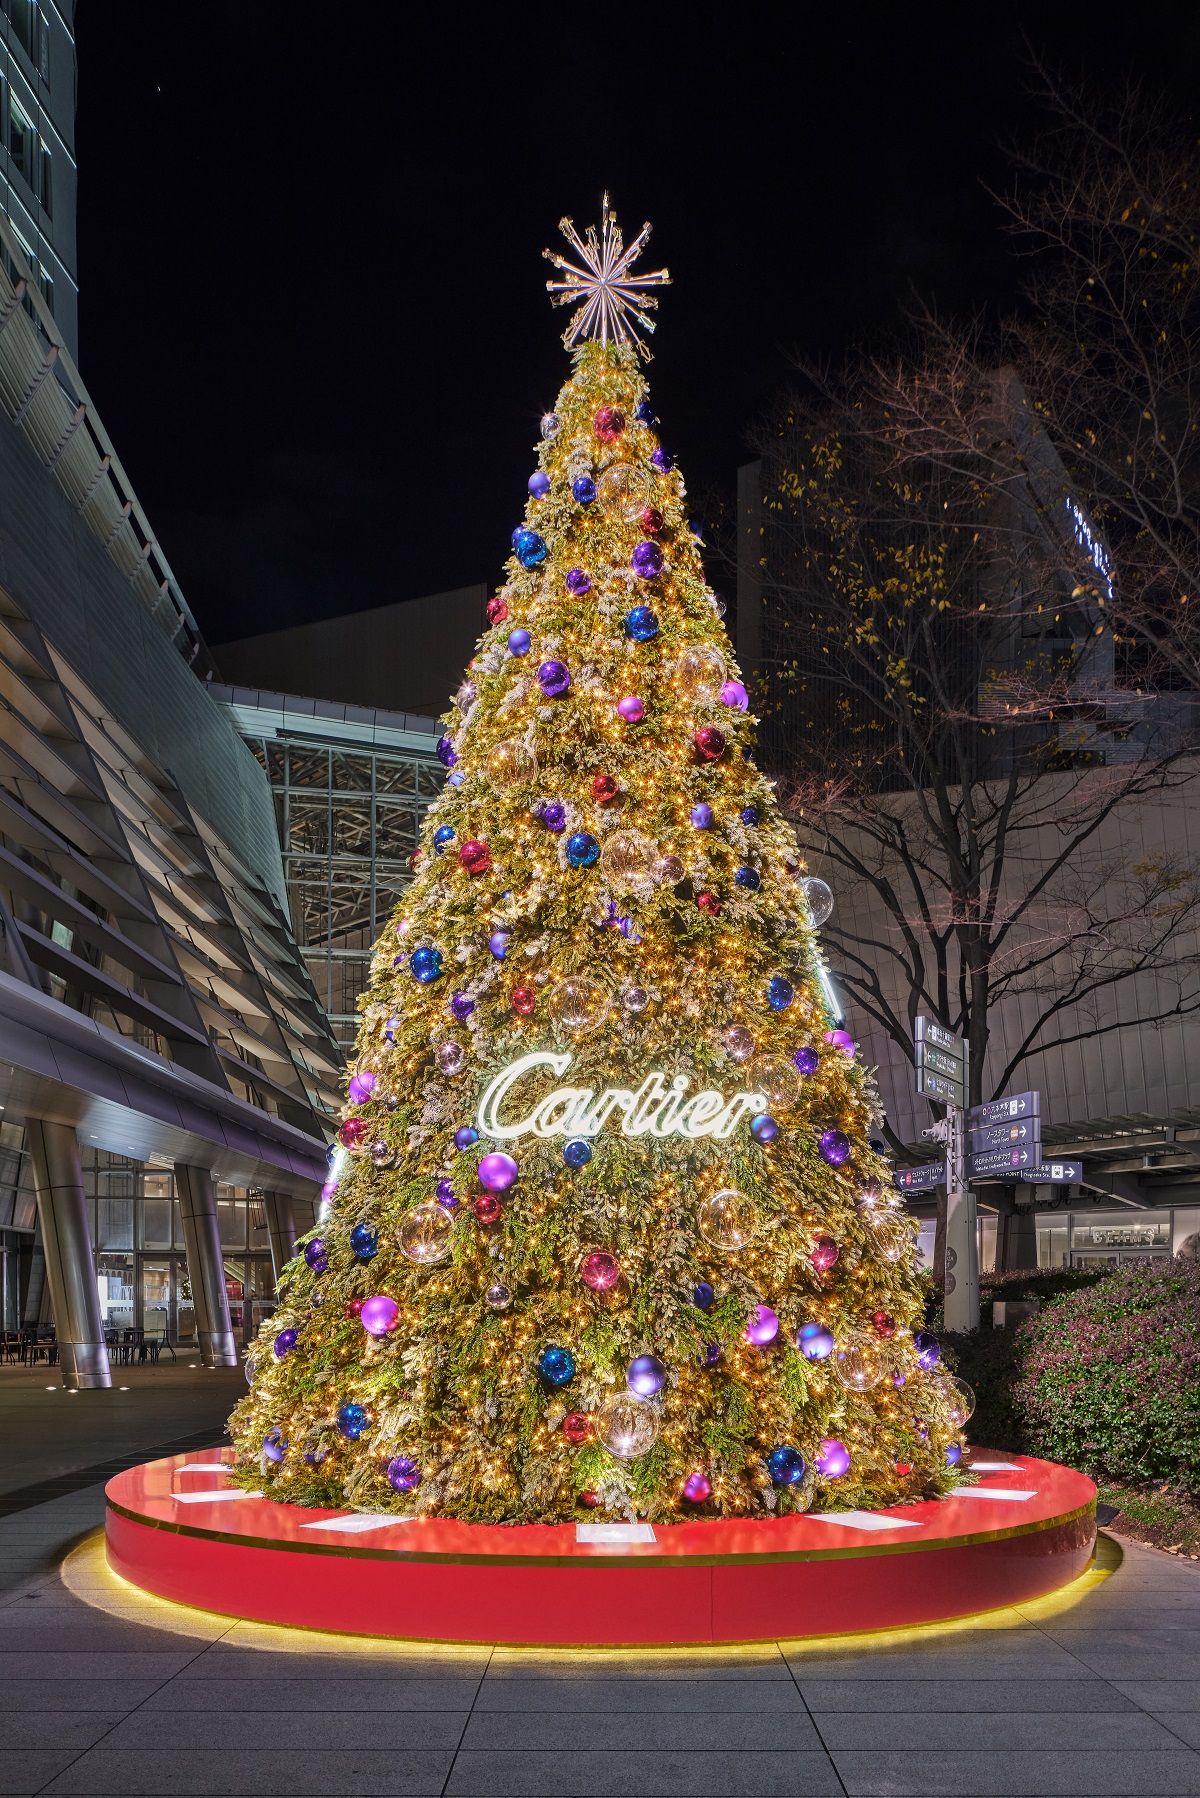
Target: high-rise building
[37,148]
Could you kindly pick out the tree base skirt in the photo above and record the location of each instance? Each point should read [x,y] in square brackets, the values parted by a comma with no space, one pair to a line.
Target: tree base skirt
[170,1530]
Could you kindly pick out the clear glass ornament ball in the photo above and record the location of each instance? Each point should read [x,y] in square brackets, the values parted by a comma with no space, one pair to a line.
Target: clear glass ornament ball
[627,1426]
[818,896]
[728,1219]
[426,1233]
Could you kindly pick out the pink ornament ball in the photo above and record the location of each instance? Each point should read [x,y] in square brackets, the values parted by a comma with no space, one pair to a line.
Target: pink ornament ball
[599,1270]
[379,1314]
[631,709]
[696,1488]
[497,1172]
[824,1254]
[763,1326]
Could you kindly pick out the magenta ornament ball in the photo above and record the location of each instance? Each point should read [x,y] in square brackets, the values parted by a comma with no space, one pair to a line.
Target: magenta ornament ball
[631,708]
[379,1314]
[696,1488]
[763,1326]
[841,1039]
[362,1086]
[497,1172]
[734,693]
[834,1458]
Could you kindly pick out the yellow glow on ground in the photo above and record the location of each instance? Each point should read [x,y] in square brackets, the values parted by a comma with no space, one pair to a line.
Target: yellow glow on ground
[86,1574]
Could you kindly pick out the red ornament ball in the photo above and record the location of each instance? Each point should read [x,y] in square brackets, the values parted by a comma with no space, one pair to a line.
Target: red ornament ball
[708,903]
[652,521]
[487,1208]
[354,1307]
[604,788]
[903,1468]
[497,609]
[415,860]
[475,857]
[524,999]
[576,1427]
[589,1499]
[599,1270]
[609,423]
[710,743]
[825,1253]
[884,1322]
[353,1133]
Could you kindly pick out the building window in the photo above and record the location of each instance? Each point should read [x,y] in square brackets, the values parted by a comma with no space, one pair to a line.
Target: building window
[46,182]
[23,14]
[20,140]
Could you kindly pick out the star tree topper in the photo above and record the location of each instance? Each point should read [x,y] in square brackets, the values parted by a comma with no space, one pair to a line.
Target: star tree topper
[613,303]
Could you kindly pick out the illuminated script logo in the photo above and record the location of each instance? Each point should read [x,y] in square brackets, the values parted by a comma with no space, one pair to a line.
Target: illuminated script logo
[658,1107]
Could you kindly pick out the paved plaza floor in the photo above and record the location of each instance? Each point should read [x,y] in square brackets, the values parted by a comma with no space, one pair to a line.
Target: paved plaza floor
[1094,1693]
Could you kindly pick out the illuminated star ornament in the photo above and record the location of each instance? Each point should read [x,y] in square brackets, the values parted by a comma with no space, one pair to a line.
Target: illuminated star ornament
[613,304]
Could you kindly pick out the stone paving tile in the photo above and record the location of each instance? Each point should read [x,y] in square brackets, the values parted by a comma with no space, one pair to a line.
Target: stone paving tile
[739,1663]
[630,1773]
[99,1694]
[218,1663]
[27,1770]
[1031,1656]
[312,1696]
[1046,1773]
[238,1730]
[1007,1696]
[1185,1725]
[608,1731]
[53,1729]
[86,1665]
[638,1695]
[958,1732]
[287,1772]
[1164,1694]
[1138,1653]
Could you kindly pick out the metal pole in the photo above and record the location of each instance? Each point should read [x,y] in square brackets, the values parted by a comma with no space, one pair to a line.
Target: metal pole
[70,1259]
[206,1266]
[962,1231]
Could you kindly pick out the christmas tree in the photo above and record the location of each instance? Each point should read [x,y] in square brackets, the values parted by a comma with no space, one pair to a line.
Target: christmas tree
[604,1231]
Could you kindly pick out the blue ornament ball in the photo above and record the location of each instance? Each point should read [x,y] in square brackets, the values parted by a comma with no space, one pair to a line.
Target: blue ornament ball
[584,489]
[701,816]
[815,1342]
[750,815]
[286,1340]
[539,484]
[704,1297]
[954,1454]
[780,993]
[785,1465]
[556,1365]
[644,412]
[465,1137]
[403,1474]
[763,1127]
[929,1349]
[498,943]
[273,1446]
[583,851]
[519,642]
[529,549]
[748,878]
[364,1243]
[641,624]
[442,835]
[352,1420]
[577,1152]
[425,965]
[712,1354]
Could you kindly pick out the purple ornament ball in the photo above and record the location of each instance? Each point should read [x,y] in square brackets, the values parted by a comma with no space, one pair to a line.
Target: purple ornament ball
[763,1326]
[461,1006]
[647,560]
[660,460]
[497,1172]
[841,1039]
[539,484]
[362,1085]
[763,1127]
[465,1136]
[646,1376]
[834,1458]
[734,693]
[554,678]
[379,1314]
[701,816]
[835,1147]
[403,1473]
[445,1195]
[631,709]
[806,1061]
[519,642]
[316,1255]
[498,943]
[578,582]
[285,1341]
[696,1488]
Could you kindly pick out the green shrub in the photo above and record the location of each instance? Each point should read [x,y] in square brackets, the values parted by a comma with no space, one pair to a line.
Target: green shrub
[1107,1378]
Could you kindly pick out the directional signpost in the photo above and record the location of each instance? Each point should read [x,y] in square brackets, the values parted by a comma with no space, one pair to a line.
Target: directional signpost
[921,1179]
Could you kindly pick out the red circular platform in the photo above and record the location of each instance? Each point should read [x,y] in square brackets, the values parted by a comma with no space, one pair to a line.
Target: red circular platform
[179,1528]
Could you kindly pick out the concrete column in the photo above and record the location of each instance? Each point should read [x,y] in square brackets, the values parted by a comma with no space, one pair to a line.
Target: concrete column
[281,1226]
[202,1240]
[70,1258]
[1016,1237]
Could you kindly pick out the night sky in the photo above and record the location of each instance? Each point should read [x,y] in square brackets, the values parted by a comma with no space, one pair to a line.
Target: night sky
[313,311]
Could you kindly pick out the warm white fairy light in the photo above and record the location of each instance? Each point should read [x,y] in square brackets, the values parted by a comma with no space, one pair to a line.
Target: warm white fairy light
[615,302]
